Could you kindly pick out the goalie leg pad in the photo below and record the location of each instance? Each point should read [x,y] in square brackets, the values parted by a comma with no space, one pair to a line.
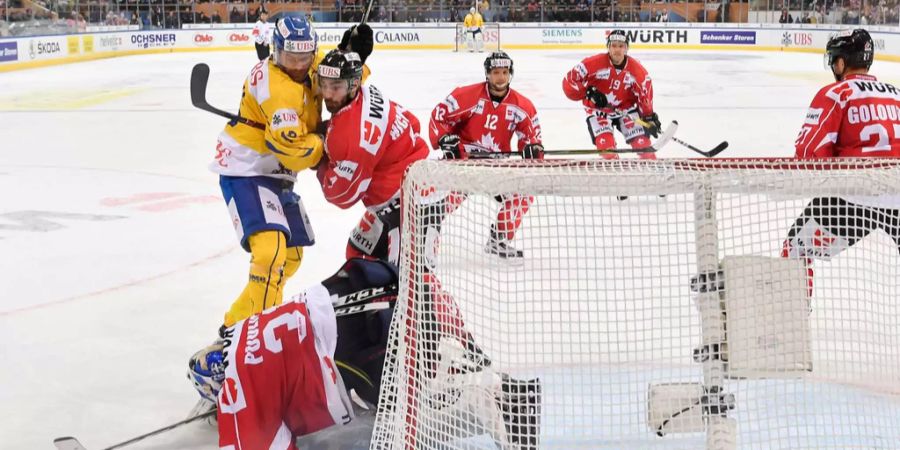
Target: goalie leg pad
[479,40]
[506,408]
[520,405]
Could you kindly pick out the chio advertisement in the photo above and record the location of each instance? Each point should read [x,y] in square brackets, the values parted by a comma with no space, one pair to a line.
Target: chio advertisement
[728,37]
[9,51]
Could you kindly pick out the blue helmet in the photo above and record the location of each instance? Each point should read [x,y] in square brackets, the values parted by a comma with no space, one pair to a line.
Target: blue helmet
[206,370]
[294,34]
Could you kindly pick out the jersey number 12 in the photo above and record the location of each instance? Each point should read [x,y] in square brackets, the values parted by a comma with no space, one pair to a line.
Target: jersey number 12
[490,122]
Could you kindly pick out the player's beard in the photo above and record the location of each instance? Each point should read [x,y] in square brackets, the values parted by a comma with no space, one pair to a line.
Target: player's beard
[498,90]
[334,106]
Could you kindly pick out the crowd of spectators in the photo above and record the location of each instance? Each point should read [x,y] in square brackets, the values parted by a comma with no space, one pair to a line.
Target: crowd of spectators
[850,12]
[75,15]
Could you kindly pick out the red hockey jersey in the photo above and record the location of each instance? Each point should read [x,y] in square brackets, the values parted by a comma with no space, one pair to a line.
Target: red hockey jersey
[483,125]
[629,89]
[856,117]
[280,378]
[369,145]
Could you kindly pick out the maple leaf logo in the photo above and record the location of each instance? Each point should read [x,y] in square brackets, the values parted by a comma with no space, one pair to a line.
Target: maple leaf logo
[613,100]
[487,141]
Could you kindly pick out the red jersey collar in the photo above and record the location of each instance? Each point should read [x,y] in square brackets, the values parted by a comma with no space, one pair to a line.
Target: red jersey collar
[860,76]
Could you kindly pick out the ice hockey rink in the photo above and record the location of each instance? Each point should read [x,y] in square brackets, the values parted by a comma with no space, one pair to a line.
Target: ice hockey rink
[119,258]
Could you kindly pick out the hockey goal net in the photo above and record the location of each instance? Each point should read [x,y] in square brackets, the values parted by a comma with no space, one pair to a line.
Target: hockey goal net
[490,33]
[666,320]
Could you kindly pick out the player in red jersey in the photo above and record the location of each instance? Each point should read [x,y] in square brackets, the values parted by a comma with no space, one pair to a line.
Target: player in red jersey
[857,116]
[369,144]
[484,117]
[280,374]
[272,378]
[616,92]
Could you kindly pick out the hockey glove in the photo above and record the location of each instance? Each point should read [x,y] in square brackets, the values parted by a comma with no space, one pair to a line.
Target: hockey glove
[652,124]
[533,151]
[362,41]
[596,97]
[449,144]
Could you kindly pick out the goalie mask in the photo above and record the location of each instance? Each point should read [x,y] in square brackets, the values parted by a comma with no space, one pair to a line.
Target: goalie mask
[340,75]
[206,370]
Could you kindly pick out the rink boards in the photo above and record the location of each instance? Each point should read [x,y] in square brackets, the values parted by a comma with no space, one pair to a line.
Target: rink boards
[107,42]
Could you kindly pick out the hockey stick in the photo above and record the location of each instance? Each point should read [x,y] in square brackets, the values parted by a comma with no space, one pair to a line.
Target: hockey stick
[356,309]
[365,17]
[199,80]
[709,153]
[661,141]
[70,443]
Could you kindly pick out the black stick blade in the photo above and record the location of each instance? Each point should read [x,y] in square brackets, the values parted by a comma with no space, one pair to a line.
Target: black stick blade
[199,79]
[718,149]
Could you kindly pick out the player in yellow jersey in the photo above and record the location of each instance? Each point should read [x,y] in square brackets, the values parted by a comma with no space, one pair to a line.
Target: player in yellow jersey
[474,35]
[258,163]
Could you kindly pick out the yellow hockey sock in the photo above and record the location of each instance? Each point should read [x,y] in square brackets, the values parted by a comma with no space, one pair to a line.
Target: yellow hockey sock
[268,252]
[291,265]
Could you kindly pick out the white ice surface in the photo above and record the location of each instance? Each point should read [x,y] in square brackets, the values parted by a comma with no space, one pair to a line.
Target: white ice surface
[134,261]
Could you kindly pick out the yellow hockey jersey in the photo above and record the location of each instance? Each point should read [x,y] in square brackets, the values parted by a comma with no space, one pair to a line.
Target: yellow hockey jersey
[291,113]
[473,21]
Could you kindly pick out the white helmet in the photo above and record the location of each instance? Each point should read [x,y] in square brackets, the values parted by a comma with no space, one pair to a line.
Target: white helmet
[472,10]
[206,370]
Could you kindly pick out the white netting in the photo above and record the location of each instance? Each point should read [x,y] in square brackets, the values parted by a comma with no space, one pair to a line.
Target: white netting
[490,34]
[630,319]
